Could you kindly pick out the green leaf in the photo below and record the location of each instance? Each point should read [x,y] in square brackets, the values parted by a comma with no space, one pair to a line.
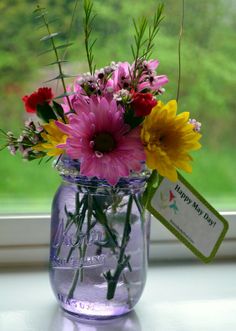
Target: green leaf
[49,159]
[47,51]
[152,32]
[50,36]
[58,110]
[131,119]
[57,62]
[3,132]
[60,76]
[43,14]
[45,112]
[3,147]
[152,184]
[64,45]
[67,94]
[38,9]
[57,47]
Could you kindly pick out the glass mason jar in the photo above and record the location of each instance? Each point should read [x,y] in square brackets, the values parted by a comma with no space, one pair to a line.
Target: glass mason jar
[99,243]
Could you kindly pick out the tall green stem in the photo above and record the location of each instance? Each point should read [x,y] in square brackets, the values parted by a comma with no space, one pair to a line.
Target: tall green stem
[88,20]
[89,218]
[79,274]
[74,283]
[123,260]
[58,62]
[125,237]
[179,51]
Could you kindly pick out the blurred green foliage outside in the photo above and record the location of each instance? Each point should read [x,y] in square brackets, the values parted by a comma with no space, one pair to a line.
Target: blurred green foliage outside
[207,85]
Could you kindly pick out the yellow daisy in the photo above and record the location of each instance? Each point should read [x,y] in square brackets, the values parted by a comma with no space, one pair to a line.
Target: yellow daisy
[167,139]
[52,136]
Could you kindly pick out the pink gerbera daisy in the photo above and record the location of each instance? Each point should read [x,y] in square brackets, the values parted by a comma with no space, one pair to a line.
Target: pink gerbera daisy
[104,144]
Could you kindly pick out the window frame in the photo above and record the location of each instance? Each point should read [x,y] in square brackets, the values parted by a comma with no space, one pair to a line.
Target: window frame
[24,240]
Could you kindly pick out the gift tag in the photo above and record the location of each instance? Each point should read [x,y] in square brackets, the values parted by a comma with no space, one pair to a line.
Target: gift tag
[189,217]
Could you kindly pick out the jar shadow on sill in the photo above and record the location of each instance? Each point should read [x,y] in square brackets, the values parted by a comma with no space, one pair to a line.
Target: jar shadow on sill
[63,321]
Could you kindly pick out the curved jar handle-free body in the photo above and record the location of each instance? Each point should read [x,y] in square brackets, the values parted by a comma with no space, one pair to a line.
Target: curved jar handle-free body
[99,241]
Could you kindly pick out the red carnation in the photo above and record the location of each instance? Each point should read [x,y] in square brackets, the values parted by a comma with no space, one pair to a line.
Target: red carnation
[143,103]
[40,97]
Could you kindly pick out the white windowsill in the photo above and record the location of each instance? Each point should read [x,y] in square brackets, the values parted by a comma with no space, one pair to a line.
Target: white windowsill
[177,297]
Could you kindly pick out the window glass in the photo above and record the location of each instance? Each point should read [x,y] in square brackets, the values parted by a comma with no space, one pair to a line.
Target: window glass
[207,84]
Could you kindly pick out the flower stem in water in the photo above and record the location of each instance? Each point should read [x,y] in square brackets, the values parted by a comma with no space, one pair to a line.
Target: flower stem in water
[74,283]
[123,259]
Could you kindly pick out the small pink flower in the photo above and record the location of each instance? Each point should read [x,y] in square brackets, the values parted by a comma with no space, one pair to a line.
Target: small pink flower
[77,93]
[121,76]
[100,139]
[153,83]
[149,80]
[151,65]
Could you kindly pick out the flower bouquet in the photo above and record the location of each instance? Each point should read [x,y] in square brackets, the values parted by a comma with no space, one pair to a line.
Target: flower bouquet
[113,140]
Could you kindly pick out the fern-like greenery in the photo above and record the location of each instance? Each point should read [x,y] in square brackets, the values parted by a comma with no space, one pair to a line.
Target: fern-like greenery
[41,14]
